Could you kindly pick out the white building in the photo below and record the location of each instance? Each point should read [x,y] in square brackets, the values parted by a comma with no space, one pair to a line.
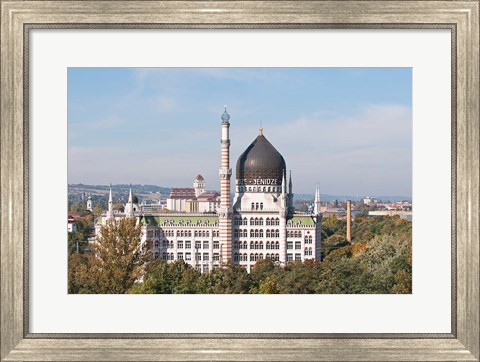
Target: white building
[260,223]
[194,199]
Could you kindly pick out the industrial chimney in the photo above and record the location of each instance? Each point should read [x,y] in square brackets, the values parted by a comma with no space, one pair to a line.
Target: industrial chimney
[349,221]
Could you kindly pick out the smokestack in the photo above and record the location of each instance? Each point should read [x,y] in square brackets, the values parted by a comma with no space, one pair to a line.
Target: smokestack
[349,221]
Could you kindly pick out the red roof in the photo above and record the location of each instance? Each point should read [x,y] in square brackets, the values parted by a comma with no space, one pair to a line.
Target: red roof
[199,177]
[182,193]
[208,196]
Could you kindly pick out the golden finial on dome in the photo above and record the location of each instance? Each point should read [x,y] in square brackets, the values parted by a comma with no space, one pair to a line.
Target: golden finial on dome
[260,131]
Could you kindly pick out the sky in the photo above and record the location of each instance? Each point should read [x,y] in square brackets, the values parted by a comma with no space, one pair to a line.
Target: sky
[347,129]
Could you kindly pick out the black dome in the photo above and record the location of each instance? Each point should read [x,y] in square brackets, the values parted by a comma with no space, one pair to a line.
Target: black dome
[260,161]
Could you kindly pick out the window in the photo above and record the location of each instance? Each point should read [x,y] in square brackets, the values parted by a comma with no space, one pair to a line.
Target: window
[289,245]
[188,244]
[260,245]
[277,233]
[188,256]
[235,257]
[277,221]
[267,233]
[149,233]
[235,233]
[277,257]
[205,257]
[252,233]
[216,244]
[205,244]
[289,257]
[267,245]
[198,244]
[277,245]
[256,244]
[180,244]
[252,221]
[256,233]
[298,245]
[252,245]
[156,245]
[260,221]
[260,233]
[155,256]
[261,206]
[180,256]
[198,256]
[216,256]
[298,257]
[267,221]
[253,206]
[252,257]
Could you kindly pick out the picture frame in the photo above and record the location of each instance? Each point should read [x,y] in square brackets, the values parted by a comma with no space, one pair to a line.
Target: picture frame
[18,17]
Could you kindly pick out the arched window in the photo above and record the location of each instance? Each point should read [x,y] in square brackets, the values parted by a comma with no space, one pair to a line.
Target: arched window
[268,233]
[155,256]
[277,245]
[252,257]
[267,256]
[256,206]
[277,233]
[267,245]
[245,245]
[260,221]
[267,221]
[277,221]
[256,244]
[252,245]
[256,257]
[261,206]
[261,233]
[260,245]
[260,256]
[252,221]
[253,206]
[245,220]
[256,233]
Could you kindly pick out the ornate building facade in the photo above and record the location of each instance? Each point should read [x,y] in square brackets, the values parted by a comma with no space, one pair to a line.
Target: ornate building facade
[260,222]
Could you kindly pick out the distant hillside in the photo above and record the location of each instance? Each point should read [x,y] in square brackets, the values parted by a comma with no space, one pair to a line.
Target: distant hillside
[121,191]
[328,198]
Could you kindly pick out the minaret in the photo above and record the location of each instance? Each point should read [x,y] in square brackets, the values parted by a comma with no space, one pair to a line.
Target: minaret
[129,206]
[317,201]
[224,212]
[110,205]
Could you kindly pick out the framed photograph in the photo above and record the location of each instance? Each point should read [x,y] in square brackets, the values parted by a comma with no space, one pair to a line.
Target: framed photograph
[328,211]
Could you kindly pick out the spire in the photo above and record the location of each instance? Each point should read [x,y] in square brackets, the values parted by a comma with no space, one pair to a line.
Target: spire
[290,188]
[130,196]
[129,206]
[110,204]
[317,200]
[260,131]
[284,186]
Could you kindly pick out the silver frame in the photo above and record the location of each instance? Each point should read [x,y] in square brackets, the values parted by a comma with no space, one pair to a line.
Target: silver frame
[18,17]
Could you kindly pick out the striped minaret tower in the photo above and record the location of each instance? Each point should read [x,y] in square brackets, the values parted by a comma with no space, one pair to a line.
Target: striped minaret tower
[224,213]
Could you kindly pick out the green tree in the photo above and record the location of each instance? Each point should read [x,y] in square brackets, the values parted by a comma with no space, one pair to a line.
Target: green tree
[117,262]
